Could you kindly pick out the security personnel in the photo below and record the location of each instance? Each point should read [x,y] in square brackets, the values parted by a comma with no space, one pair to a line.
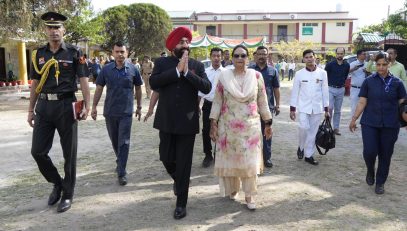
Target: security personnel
[310,95]
[55,68]
[122,81]
[146,70]
[272,84]
[379,99]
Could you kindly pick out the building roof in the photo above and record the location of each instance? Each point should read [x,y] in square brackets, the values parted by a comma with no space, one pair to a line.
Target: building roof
[369,38]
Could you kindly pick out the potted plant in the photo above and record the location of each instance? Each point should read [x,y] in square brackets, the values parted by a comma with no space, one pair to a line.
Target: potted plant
[19,82]
[2,83]
[14,81]
[7,83]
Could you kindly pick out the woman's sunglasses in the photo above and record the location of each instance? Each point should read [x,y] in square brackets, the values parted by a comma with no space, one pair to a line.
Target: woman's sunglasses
[236,56]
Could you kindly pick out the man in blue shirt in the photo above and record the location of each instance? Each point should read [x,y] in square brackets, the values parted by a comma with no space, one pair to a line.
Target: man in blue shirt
[337,72]
[358,75]
[271,81]
[121,78]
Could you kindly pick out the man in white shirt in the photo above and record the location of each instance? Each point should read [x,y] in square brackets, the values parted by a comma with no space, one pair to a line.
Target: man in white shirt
[310,96]
[283,67]
[358,74]
[213,73]
[291,70]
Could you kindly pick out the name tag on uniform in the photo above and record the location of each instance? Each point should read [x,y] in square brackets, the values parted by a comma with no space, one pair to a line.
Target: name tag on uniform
[65,61]
[319,80]
[305,81]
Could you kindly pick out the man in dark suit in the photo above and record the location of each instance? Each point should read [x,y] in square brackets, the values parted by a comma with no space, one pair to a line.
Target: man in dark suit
[178,79]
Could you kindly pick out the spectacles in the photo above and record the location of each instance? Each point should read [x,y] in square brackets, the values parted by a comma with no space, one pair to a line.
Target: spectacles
[236,56]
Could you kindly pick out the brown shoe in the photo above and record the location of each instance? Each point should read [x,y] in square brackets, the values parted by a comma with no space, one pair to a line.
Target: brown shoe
[336,131]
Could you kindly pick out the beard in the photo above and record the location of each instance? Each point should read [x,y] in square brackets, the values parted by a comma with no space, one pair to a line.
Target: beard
[339,58]
[179,52]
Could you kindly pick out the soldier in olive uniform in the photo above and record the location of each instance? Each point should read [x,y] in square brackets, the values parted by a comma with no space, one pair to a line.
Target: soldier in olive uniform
[56,66]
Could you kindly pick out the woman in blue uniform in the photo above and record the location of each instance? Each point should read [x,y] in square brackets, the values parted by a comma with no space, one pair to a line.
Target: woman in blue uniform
[379,100]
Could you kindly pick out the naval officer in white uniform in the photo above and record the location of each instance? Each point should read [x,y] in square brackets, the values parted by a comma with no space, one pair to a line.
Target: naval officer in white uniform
[310,97]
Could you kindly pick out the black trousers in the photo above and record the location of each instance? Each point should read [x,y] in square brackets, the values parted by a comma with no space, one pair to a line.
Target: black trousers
[51,116]
[206,111]
[176,154]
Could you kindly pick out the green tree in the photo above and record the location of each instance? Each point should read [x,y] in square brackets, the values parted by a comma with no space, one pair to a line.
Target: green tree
[115,25]
[20,18]
[142,27]
[149,26]
[83,25]
[294,49]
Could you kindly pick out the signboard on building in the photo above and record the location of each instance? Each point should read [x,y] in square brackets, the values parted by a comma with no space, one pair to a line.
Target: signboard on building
[307,31]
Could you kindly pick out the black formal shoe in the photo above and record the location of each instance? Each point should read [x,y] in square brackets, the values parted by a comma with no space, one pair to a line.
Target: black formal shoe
[174,188]
[311,160]
[268,163]
[379,189]
[370,178]
[64,205]
[55,195]
[207,161]
[122,180]
[180,212]
[300,153]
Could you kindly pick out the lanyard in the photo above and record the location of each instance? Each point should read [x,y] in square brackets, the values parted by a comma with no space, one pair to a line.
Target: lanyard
[387,85]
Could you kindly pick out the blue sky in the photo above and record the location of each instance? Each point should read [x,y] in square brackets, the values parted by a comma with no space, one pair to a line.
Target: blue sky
[367,11]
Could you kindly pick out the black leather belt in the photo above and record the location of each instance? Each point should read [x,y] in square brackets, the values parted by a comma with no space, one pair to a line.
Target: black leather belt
[56,96]
[335,86]
[356,87]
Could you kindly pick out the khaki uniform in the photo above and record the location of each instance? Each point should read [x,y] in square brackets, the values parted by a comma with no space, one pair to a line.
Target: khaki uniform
[146,70]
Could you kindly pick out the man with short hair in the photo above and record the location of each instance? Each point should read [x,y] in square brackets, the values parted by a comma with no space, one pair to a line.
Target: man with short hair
[337,71]
[146,70]
[310,96]
[272,84]
[178,79]
[51,95]
[283,67]
[396,68]
[291,70]
[358,75]
[213,74]
[226,59]
[122,81]
[135,63]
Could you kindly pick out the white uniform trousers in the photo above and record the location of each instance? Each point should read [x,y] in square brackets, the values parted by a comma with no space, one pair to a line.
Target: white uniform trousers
[354,99]
[308,129]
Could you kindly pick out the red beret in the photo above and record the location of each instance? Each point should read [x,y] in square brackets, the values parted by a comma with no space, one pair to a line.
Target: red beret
[176,35]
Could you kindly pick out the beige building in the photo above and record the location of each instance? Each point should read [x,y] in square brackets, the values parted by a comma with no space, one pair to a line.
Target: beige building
[330,29]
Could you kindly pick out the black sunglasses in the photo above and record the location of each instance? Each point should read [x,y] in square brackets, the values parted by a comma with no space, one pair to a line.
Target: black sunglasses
[236,56]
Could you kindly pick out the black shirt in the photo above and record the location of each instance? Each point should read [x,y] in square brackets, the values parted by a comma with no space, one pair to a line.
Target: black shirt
[337,74]
[71,65]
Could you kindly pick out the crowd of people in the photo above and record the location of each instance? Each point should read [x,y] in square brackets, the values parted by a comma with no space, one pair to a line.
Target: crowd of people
[240,102]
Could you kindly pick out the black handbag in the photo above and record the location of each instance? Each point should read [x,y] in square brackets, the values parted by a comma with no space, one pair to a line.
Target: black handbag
[325,137]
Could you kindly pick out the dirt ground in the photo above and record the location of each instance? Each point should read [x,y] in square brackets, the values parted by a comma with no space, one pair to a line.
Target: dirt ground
[293,195]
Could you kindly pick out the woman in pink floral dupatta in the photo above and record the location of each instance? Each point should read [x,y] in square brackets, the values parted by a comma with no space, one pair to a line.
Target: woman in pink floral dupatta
[240,99]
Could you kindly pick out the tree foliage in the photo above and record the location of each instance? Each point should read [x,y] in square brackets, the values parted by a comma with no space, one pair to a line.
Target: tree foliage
[396,23]
[20,18]
[83,25]
[142,27]
[293,50]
